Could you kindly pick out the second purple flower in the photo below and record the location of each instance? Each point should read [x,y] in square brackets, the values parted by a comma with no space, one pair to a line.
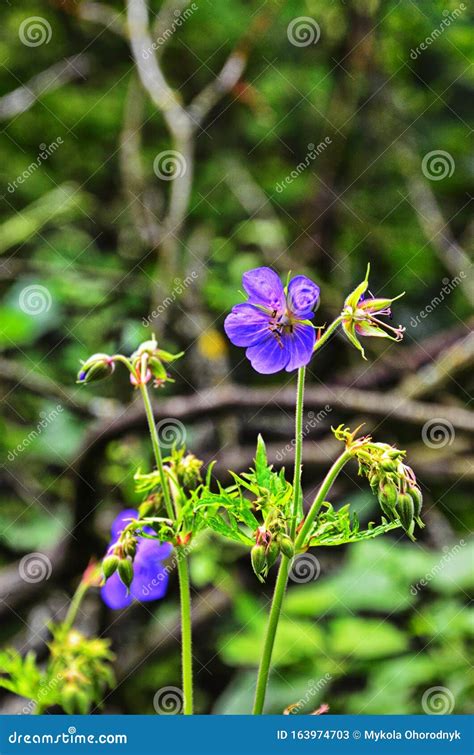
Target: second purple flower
[273,323]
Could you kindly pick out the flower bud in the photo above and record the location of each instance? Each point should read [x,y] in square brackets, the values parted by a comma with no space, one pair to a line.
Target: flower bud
[129,546]
[125,571]
[97,367]
[406,510]
[286,546]
[417,496]
[387,495]
[110,565]
[257,557]
[272,553]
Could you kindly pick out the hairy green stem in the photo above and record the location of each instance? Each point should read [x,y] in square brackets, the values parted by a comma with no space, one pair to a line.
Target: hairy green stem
[282,579]
[183,573]
[75,604]
[157,450]
[186,633]
[298,449]
[329,330]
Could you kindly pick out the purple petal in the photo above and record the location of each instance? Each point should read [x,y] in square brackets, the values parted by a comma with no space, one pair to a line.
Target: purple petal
[268,355]
[264,287]
[121,521]
[150,580]
[303,296]
[114,593]
[246,325]
[299,346]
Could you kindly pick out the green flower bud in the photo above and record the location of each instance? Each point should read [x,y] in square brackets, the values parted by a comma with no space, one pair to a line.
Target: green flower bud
[129,546]
[97,367]
[110,565]
[257,557]
[272,553]
[286,546]
[406,510]
[125,571]
[417,496]
[387,495]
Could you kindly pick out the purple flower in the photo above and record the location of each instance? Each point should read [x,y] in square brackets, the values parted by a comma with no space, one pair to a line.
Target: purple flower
[273,323]
[150,578]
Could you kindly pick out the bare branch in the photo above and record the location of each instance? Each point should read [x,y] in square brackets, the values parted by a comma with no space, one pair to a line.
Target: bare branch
[23,98]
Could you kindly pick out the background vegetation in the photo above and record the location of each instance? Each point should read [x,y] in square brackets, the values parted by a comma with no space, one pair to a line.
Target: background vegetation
[96,239]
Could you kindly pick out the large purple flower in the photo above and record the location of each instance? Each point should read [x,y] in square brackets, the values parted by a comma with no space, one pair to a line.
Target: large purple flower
[150,578]
[271,323]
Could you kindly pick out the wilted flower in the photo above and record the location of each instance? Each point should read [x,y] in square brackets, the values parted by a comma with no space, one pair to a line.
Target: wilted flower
[146,575]
[147,363]
[360,316]
[273,324]
[97,367]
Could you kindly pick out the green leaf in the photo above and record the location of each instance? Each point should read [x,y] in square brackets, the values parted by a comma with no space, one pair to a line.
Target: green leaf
[365,639]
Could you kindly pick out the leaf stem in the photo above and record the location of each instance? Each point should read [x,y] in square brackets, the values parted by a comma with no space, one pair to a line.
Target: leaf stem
[329,330]
[157,450]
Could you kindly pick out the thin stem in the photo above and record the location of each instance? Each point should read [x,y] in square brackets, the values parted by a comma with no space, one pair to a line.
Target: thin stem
[157,450]
[329,330]
[186,634]
[324,489]
[183,573]
[75,604]
[273,619]
[282,579]
[298,448]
